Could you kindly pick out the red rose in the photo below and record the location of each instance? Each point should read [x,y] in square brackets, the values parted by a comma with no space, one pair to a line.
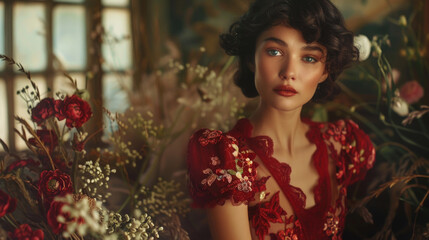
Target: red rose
[76,111]
[43,110]
[55,210]
[411,92]
[7,203]
[48,137]
[24,232]
[52,184]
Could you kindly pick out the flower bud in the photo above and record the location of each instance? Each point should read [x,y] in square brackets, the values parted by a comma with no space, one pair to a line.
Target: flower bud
[400,106]
[403,21]
[362,43]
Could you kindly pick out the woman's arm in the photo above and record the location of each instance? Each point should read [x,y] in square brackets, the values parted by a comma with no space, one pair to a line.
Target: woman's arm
[229,222]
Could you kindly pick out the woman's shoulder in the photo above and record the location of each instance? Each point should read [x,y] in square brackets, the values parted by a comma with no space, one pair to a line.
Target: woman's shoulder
[220,167]
[350,146]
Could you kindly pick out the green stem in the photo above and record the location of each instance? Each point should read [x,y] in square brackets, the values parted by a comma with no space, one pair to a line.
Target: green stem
[345,89]
[74,171]
[399,127]
[60,137]
[8,219]
[377,83]
[362,119]
[125,203]
[227,65]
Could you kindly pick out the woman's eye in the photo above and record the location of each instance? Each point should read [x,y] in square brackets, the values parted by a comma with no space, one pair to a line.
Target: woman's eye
[309,59]
[273,52]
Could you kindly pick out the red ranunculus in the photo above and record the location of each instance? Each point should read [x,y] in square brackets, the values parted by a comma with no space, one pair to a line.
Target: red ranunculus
[411,92]
[58,105]
[55,210]
[76,111]
[43,110]
[20,164]
[24,232]
[7,203]
[52,184]
[52,217]
[48,137]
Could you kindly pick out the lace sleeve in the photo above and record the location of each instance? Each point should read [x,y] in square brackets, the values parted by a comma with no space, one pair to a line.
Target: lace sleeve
[218,170]
[356,155]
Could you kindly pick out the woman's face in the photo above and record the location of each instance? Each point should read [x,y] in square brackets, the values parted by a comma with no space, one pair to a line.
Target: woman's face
[287,69]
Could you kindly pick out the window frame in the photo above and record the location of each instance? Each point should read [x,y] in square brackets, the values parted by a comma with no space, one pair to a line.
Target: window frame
[8,74]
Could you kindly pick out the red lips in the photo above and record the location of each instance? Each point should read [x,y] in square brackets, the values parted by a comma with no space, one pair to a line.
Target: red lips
[285,90]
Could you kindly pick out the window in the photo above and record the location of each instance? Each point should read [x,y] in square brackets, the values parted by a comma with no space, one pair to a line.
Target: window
[54,36]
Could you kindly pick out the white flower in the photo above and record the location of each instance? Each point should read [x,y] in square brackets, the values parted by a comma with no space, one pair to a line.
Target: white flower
[362,43]
[400,106]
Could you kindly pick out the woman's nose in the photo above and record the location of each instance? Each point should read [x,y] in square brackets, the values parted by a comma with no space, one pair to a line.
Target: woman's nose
[288,69]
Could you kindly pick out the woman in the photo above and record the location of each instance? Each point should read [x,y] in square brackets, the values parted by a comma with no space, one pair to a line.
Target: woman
[276,175]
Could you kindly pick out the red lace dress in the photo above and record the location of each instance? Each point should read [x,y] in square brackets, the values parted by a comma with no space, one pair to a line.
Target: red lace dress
[221,166]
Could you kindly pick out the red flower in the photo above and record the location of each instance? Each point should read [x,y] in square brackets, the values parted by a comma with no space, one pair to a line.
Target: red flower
[55,210]
[48,137]
[43,110]
[7,203]
[58,105]
[75,110]
[20,164]
[24,232]
[52,217]
[52,184]
[411,92]
[78,145]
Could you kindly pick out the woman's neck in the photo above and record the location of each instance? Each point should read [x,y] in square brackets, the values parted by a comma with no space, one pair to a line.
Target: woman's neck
[285,128]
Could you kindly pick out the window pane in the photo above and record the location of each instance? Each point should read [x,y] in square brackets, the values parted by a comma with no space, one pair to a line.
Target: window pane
[3,114]
[115,2]
[21,106]
[69,1]
[115,96]
[29,45]
[2,64]
[117,44]
[69,36]
[63,84]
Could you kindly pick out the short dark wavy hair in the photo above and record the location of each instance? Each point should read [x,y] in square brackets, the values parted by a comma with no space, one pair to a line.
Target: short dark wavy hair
[318,21]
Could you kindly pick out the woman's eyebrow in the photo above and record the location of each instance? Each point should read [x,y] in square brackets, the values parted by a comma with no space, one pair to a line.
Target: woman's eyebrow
[313,48]
[306,47]
[276,40]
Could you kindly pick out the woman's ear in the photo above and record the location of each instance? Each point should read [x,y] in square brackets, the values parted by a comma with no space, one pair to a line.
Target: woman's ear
[251,65]
[324,76]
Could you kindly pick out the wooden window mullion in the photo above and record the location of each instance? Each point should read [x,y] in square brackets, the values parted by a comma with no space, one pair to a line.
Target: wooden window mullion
[9,73]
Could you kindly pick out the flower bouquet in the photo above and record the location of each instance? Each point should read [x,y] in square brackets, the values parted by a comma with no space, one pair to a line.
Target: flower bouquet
[59,188]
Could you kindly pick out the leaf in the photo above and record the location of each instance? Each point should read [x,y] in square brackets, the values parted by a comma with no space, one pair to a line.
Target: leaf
[4,145]
[34,134]
[19,189]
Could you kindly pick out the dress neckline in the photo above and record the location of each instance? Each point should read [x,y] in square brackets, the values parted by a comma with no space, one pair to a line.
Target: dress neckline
[263,146]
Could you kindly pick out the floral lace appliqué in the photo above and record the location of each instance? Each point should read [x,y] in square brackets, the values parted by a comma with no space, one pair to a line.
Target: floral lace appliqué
[210,137]
[290,233]
[331,226]
[262,214]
